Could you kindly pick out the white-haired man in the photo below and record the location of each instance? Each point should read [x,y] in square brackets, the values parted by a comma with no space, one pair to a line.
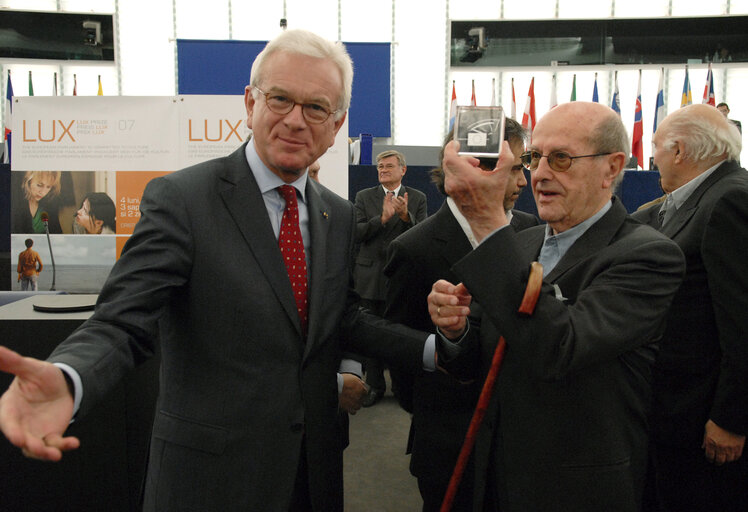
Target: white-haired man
[700,414]
[250,334]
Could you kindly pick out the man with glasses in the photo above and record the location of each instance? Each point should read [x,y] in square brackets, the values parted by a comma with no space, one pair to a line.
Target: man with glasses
[382,213]
[250,335]
[567,427]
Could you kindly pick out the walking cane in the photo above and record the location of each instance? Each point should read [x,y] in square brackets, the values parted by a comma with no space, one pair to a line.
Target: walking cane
[532,292]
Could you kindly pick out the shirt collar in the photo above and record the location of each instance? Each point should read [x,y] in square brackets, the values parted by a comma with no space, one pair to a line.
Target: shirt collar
[396,191]
[681,194]
[266,179]
[568,237]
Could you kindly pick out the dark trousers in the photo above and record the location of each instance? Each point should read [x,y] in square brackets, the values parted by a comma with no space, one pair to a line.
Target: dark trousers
[686,481]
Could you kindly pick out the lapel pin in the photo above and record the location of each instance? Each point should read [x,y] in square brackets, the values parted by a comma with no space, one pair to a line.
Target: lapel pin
[325,215]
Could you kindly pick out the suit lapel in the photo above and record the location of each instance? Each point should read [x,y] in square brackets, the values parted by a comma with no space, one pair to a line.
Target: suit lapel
[689,208]
[592,241]
[451,236]
[319,226]
[243,199]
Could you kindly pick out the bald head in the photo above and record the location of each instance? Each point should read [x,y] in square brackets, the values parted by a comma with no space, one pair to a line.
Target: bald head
[595,139]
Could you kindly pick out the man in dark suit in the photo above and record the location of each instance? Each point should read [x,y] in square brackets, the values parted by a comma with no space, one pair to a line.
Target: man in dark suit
[382,213]
[725,111]
[567,427]
[700,414]
[247,410]
[441,406]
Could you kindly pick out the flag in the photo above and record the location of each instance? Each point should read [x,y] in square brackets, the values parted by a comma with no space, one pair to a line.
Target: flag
[659,104]
[31,85]
[452,107]
[493,92]
[616,103]
[8,118]
[75,84]
[54,85]
[472,98]
[554,100]
[514,103]
[528,119]
[636,137]
[685,98]
[574,89]
[101,91]
[709,88]
[595,97]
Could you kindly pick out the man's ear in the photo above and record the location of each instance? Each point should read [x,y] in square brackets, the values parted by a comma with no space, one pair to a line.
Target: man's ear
[679,152]
[616,163]
[249,104]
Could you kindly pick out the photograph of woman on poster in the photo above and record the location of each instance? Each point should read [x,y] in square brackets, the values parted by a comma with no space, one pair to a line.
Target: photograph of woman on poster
[40,190]
[96,215]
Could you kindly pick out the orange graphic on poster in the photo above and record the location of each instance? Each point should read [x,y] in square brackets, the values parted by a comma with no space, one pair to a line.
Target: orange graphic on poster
[120,244]
[130,187]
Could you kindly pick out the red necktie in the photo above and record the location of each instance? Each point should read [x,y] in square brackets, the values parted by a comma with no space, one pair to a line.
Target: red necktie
[292,248]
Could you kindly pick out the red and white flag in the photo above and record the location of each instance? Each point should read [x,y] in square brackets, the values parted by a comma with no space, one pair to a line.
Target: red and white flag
[514,103]
[636,138]
[528,119]
[75,85]
[453,106]
[709,88]
[472,98]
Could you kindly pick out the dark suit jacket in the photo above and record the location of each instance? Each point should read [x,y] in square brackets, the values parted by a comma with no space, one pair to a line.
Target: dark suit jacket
[574,389]
[203,274]
[374,238]
[702,369]
[441,406]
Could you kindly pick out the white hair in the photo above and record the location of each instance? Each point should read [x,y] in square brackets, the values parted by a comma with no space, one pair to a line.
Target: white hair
[703,139]
[303,42]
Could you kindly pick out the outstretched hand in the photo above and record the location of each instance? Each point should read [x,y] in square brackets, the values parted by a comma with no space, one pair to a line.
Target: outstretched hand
[37,407]
[449,307]
[477,193]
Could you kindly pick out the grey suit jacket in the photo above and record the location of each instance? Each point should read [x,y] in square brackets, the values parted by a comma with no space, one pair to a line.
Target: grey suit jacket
[240,388]
[567,429]
[373,237]
[702,369]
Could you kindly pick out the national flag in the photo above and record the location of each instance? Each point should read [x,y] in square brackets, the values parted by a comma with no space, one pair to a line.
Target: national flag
[636,137]
[574,88]
[595,97]
[472,98]
[616,103]
[54,85]
[514,103]
[493,92]
[101,91]
[528,119]
[75,85]
[452,107]
[659,104]
[554,100]
[8,118]
[685,98]
[31,85]
[709,88]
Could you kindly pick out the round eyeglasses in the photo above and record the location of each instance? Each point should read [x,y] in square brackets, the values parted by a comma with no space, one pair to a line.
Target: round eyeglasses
[313,112]
[559,161]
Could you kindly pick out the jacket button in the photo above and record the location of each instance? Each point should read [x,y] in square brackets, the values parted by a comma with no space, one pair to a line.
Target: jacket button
[297,427]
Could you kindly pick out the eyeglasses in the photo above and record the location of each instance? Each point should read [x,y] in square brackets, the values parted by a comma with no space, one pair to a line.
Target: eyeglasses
[313,113]
[559,161]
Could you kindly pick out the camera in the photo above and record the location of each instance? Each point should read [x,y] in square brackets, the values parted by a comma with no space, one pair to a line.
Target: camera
[92,33]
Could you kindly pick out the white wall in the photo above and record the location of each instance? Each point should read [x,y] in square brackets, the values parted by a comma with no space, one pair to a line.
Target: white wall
[421,79]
